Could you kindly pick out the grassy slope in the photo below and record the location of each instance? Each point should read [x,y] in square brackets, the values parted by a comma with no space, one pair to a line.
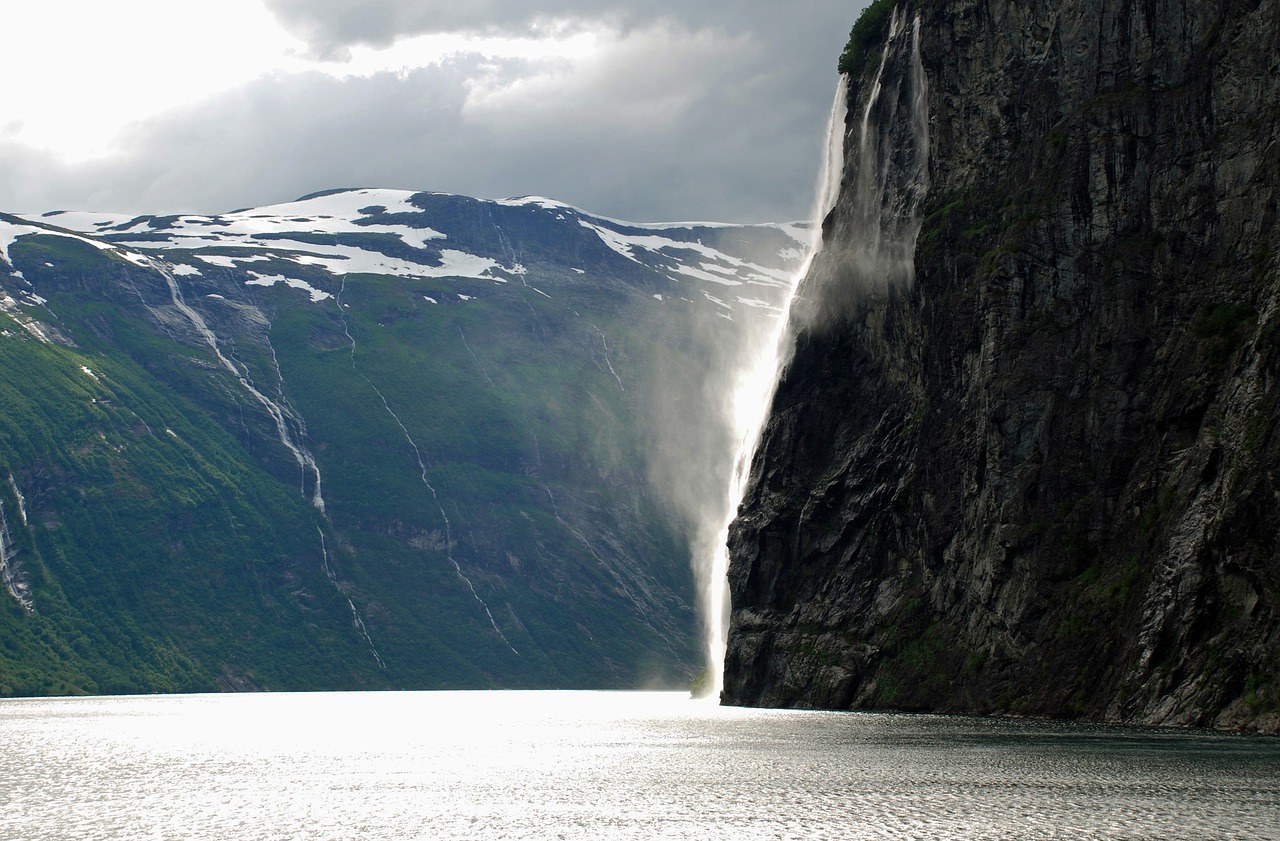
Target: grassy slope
[171,550]
[513,423]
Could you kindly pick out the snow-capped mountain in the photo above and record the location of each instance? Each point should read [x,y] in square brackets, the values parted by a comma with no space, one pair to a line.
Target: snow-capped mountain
[366,438]
[320,238]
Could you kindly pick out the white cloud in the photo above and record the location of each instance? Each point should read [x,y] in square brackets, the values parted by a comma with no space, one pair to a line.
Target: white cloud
[714,110]
[88,69]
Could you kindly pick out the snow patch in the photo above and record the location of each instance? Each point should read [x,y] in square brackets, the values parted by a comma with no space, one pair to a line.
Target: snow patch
[346,259]
[536,201]
[713,299]
[137,259]
[336,213]
[626,244]
[343,203]
[268,235]
[226,262]
[270,280]
[86,222]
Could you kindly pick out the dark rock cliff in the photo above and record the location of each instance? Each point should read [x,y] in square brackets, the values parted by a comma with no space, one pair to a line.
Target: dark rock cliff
[1040,476]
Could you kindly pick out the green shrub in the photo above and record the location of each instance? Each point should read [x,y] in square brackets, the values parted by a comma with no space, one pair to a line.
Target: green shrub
[870,27]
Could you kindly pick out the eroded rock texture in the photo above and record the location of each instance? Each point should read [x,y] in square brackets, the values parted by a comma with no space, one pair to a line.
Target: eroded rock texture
[1041,478]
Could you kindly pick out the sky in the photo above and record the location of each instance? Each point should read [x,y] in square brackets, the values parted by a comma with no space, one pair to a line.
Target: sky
[662,111]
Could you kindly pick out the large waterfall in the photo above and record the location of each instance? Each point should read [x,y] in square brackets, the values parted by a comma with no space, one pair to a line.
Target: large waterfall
[752,391]
[875,232]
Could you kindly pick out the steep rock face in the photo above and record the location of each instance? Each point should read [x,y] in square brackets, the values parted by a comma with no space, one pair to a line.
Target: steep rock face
[1040,477]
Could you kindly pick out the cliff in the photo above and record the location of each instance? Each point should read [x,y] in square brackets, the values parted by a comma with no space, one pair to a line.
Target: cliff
[1029,465]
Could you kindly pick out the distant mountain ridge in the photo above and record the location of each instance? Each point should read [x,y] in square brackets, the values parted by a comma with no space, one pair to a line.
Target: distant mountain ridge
[389,232]
[369,438]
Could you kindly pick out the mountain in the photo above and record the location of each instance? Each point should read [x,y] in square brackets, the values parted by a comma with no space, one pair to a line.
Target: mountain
[367,439]
[1025,459]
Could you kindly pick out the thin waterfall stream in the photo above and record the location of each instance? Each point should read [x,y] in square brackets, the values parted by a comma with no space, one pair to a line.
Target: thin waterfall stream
[422,471]
[280,414]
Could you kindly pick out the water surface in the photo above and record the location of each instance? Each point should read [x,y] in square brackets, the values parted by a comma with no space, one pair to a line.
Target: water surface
[409,765]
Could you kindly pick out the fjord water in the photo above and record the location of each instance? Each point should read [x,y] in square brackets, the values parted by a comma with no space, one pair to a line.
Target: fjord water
[603,765]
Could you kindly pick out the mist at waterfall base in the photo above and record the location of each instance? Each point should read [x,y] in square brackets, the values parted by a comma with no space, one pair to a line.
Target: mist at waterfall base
[600,765]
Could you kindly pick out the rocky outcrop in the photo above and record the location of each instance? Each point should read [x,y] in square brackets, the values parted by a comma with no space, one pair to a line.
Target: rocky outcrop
[1040,476]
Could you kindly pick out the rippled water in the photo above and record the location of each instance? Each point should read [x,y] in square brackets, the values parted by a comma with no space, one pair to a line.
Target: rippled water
[603,765]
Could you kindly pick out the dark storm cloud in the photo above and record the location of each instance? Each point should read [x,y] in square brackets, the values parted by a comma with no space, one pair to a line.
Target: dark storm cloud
[709,112]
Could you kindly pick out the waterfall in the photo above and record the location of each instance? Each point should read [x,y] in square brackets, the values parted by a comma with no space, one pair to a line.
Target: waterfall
[22,500]
[281,413]
[356,621]
[278,413]
[872,246]
[893,166]
[752,392]
[9,570]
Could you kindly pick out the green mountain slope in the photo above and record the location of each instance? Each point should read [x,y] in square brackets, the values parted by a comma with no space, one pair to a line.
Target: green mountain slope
[237,466]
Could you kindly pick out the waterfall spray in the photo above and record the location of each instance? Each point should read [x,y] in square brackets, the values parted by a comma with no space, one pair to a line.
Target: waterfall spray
[752,392]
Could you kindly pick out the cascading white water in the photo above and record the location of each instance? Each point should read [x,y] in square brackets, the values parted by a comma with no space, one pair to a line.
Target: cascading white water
[891,181]
[357,621]
[753,387]
[280,413]
[8,565]
[888,179]
[22,500]
[306,462]
[877,247]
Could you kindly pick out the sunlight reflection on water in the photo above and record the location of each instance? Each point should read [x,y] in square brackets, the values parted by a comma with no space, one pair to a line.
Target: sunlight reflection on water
[603,765]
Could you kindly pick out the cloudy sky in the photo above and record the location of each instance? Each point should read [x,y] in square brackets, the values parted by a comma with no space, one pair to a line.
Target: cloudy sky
[655,111]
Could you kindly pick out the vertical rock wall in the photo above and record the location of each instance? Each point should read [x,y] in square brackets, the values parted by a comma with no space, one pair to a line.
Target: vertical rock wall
[1041,477]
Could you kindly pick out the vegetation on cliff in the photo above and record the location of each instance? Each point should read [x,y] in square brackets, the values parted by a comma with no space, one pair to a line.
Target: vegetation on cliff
[868,32]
